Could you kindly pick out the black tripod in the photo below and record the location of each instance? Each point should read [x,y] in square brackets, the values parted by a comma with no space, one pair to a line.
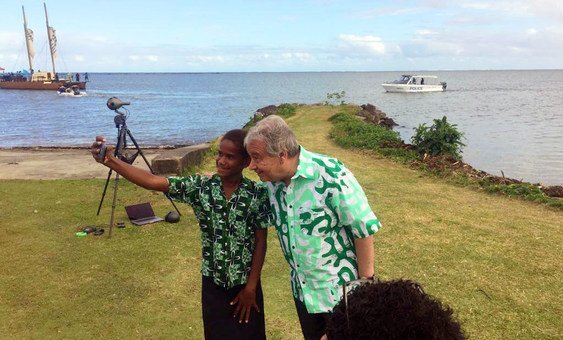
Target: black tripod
[120,120]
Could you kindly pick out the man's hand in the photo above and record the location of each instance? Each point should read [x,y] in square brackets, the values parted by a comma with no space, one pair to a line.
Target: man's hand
[245,301]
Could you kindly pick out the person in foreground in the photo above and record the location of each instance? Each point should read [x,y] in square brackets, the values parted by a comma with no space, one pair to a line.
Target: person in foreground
[233,214]
[324,222]
[396,309]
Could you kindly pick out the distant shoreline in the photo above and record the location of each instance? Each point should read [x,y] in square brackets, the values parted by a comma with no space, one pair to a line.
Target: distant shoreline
[357,71]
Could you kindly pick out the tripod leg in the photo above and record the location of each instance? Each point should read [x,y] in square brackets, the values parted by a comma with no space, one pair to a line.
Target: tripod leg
[150,168]
[104,193]
[120,138]
[139,150]
[174,205]
[113,203]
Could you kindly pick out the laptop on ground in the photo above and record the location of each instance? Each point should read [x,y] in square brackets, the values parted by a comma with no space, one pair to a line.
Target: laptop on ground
[140,214]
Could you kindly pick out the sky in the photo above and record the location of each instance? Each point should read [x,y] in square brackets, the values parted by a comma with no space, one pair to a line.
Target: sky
[286,36]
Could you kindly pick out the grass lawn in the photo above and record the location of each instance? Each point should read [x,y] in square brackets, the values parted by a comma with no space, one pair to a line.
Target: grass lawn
[497,261]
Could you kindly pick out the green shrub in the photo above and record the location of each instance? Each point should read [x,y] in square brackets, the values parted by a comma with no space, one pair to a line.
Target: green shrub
[340,117]
[442,138]
[349,131]
[335,98]
[286,110]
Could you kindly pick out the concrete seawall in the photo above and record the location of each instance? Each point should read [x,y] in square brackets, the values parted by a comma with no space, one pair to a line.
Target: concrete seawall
[174,161]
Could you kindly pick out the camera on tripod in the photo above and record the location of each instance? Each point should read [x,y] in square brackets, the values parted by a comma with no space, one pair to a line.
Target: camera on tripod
[123,132]
[115,103]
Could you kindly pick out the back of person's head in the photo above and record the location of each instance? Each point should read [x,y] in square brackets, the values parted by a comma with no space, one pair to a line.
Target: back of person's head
[277,135]
[237,137]
[392,310]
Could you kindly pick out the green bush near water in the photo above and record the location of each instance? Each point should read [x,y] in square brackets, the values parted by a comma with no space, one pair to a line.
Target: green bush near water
[349,131]
[286,110]
[442,138]
[439,139]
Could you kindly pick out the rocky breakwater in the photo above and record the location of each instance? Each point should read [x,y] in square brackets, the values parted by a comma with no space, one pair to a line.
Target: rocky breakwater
[373,115]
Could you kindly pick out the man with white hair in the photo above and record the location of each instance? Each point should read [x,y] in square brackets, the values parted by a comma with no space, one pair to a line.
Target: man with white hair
[324,222]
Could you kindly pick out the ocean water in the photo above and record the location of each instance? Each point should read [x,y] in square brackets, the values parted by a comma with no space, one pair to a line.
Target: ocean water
[512,120]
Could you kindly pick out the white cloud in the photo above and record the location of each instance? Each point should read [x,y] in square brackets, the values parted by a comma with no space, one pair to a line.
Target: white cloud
[367,43]
[205,59]
[543,8]
[478,5]
[301,56]
[426,32]
[386,12]
[10,39]
[151,58]
[9,57]
[542,46]
[431,48]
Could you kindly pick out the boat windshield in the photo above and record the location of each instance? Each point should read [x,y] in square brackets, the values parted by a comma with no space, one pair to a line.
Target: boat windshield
[404,79]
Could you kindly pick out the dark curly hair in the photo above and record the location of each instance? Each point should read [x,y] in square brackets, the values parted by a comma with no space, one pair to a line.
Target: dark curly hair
[396,309]
[237,137]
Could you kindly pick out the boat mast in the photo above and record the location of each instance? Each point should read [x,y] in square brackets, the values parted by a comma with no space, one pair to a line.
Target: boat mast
[28,41]
[52,39]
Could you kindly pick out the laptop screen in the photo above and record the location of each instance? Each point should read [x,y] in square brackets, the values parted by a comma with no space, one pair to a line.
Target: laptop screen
[137,211]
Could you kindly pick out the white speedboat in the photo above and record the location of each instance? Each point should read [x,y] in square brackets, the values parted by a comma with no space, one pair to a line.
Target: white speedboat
[73,91]
[72,94]
[416,83]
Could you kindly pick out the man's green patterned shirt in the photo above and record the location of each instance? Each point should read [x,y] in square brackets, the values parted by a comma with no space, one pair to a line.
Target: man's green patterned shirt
[317,216]
[227,227]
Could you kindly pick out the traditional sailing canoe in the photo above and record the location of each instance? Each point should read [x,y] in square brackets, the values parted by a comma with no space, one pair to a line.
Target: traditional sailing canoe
[38,80]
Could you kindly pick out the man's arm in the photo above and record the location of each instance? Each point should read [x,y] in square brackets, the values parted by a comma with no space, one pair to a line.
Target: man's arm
[138,176]
[365,255]
[353,209]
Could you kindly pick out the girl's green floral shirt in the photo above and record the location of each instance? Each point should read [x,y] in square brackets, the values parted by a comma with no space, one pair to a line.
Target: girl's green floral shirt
[227,227]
